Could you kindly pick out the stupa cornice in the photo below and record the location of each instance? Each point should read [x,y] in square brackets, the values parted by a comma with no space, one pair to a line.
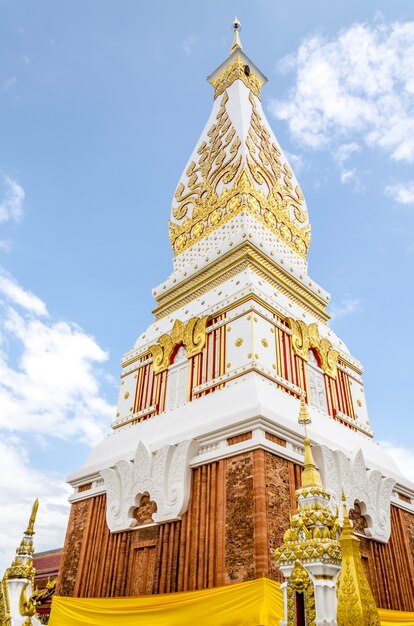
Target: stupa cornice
[207,275]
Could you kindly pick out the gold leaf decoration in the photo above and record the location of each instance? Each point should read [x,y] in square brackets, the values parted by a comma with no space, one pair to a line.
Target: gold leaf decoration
[305,337]
[261,185]
[236,71]
[192,335]
[356,604]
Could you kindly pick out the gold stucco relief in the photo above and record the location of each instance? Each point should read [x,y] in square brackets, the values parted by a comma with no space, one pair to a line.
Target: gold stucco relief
[192,335]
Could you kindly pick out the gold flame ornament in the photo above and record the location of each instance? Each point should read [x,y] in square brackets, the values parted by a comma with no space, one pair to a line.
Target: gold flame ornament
[356,604]
[30,528]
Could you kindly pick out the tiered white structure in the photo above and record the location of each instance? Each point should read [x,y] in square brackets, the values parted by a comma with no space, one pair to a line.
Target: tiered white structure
[241,332]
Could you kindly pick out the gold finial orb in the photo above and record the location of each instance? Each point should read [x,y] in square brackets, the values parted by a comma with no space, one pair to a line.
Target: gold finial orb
[236,24]
[236,45]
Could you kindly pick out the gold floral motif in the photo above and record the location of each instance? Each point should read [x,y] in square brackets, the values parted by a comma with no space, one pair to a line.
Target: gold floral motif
[305,337]
[236,71]
[192,335]
[161,353]
[195,335]
[270,219]
[261,186]
[177,333]
[197,230]
[215,217]
[180,242]
[286,233]
[214,165]
[253,204]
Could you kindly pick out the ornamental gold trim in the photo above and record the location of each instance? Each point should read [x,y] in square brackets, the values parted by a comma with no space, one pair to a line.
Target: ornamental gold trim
[262,187]
[236,71]
[356,604]
[245,255]
[300,582]
[305,337]
[192,335]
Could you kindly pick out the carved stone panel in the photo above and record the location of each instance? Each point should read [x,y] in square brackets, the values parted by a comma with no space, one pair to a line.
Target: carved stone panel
[164,475]
[368,488]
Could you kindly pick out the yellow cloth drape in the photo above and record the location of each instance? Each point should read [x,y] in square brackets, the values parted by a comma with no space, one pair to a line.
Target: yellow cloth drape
[389,618]
[255,603]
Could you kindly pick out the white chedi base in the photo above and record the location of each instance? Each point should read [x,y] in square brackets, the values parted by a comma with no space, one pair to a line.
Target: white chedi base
[323,577]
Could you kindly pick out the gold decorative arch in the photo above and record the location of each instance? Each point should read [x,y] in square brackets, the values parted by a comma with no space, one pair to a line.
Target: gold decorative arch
[192,335]
[305,337]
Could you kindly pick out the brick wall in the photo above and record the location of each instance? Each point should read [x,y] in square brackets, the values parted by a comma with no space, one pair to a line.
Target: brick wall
[238,512]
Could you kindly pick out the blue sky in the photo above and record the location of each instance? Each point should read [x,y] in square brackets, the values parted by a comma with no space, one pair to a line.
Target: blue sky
[101,104]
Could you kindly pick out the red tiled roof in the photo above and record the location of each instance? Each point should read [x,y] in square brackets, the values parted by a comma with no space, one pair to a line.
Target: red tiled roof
[45,562]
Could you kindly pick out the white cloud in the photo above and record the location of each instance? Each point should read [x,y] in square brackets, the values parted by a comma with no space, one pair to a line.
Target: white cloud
[20,484]
[402,193]
[189,43]
[296,161]
[346,307]
[345,150]
[11,206]
[50,389]
[341,156]
[404,458]
[9,83]
[17,295]
[358,84]
[54,385]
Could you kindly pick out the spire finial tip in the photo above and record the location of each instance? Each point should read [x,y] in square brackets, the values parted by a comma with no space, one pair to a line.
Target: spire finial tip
[30,527]
[236,45]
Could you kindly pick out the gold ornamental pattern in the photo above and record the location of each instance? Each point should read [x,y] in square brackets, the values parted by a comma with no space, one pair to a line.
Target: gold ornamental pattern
[192,335]
[300,582]
[356,604]
[260,185]
[305,337]
[236,71]
[266,168]
[313,536]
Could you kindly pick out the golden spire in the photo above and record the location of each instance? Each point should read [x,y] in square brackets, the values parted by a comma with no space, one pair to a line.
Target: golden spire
[236,45]
[310,475]
[30,528]
[22,566]
[347,529]
[356,604]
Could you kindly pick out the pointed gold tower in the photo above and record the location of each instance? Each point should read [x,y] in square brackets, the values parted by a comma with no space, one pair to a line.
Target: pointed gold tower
[310,475]
[356,604]
[310,556]
[18,580]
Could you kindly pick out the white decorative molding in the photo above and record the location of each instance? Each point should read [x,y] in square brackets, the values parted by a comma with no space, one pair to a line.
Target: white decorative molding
[368,487]
[164,475]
